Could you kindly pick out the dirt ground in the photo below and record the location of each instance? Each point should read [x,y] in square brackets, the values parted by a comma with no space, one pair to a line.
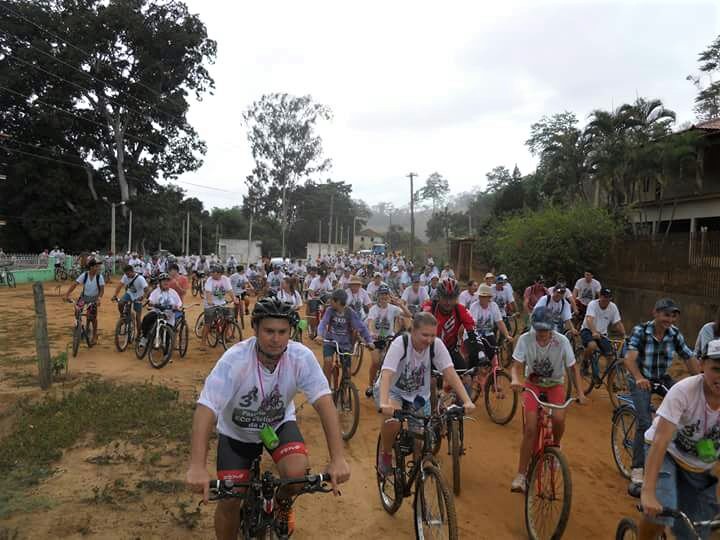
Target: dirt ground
[120,508]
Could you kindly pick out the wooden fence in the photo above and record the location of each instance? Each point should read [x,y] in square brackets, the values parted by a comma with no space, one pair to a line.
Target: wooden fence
[679,263]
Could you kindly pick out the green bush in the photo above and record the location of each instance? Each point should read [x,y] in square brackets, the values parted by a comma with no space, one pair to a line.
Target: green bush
[552,241]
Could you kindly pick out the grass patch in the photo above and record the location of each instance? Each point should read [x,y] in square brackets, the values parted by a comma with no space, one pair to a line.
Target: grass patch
[112,493]
[139,413]
[185,516]
[10,361]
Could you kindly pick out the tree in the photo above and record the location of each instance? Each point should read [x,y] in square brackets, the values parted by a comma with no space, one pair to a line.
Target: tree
[118,76]
[436,189]
[285,147]
[707,102]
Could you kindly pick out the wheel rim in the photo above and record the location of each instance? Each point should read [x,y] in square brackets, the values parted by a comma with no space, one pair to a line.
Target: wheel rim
[123,335]
[623,437]
[500,398]
[431,510]
[545,497]
[386,485]
[344,404]
[618,383]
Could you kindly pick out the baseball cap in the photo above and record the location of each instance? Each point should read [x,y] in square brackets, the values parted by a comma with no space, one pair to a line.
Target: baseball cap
[541,319]
[667,304]
[560,287]
[377,274]
[485,290]
[416,278]
[713,349]
[606,292]
[501,278]
[489,275]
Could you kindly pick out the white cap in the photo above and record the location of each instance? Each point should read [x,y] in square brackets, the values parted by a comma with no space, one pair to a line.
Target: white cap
[713,349]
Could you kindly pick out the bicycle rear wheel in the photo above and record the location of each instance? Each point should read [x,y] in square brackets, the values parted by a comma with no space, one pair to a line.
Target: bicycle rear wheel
[77,334]
[586,373]
[10,279]
[548,496]
[627,529]
[124,333]
[505,354]
[622,438]
[390,486]
[160,345]
[182,337]
[357,359]
[89,334]
[347,402]
[434,507]
[231,335]
[617,383]
[194,289]
[455,452]
[199,324]
[500,399]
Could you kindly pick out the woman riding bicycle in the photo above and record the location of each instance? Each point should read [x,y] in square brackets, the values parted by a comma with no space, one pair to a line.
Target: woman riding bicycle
[162,299]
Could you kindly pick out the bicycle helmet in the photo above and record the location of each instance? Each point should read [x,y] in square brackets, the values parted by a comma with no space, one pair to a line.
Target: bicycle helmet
[271,307]
[216,268]
[383,289]
[448,288]
[542,319]
[162,276]
[416,278]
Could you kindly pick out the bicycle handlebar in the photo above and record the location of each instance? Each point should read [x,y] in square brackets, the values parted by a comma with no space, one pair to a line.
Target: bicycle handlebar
[222,489]
[549,405]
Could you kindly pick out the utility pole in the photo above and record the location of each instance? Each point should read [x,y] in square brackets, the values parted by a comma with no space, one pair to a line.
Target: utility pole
[187,236]
[342,226]
[284,217]
[320,232]
[469,223]
[182,239]
[412,176]
[332,205]
[252,214]
[130,232]
[201,251]
[217,239]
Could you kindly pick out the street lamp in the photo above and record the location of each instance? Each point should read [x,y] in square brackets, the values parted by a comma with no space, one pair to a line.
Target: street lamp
[112,227]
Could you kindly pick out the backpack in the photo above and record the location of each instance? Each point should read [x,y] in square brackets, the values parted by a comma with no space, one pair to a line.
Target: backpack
[562,302]
[85,278]
[130,284]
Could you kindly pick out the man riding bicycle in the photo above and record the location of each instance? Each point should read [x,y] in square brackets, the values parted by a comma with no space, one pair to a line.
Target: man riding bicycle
[249,393]
[600,315]
[487,319]
[559,309]
[651,348]
[545,355]
[162,299]
[93,288]
[217,289]
[681,447]
[414,296]
[135,289]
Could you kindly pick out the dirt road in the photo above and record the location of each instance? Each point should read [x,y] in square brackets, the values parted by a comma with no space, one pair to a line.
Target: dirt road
[486,508]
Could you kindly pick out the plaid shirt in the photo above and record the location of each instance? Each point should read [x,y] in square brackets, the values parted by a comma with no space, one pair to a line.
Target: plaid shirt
[654,357]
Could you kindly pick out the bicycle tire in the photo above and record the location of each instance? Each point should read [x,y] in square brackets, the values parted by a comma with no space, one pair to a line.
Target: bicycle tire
[622,437]
[159,357]
[512,326]
[505,354]
[586,375]
[89,334]
[627,529]
[212,336]
[446,504]
[357,359]
[347,400]
[77,334]
[509,394]
[199,324]
[194,289]
[10,280]
[123,335]
[617,383]
[391,500]
[183,337]
[436,422]
[140,349]
[231,335]
[455,452]
[550,455]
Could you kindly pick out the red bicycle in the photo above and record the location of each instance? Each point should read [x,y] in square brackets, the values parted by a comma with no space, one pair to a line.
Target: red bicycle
[548,495]
[500,399]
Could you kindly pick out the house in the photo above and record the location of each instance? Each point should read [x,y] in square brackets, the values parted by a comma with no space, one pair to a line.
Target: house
[244,253]
[692,204]
[365,239]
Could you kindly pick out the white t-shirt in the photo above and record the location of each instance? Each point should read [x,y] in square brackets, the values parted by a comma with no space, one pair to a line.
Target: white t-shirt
[502,298]
[412,298]
[358,301]
[246,397]
[568,292]
[411,375]
[294,299]
[218,288]
[466,298]
[91,284]
[166,298]
[137,264]
[138,286]
[544,366]
[320,287]
[587,291]
[560,311]
[239,283]
[372,289]
[485,318]
[604,318]
[685,407]
[274,279]
[384,319]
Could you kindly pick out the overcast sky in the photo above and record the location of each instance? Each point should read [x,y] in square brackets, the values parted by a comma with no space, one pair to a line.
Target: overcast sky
[451,87]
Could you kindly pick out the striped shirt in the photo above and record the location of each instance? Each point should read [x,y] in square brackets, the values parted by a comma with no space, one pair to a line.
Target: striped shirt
[654,357]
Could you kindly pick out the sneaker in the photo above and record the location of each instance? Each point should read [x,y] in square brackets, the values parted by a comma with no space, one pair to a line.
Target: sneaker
[518,484]
[385,464]
[369,392]
[143,342]
[285,519]
[636,482]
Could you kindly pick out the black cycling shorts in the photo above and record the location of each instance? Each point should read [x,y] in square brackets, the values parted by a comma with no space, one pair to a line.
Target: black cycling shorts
[234,457]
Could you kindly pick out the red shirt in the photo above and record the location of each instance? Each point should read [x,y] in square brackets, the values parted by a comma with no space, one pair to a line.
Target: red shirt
[448,328]
[180,284]
[534,293]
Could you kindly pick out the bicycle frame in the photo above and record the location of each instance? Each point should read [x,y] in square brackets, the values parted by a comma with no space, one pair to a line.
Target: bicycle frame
[341,362]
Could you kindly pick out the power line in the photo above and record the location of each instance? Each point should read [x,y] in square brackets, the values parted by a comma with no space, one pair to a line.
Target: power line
[40,27]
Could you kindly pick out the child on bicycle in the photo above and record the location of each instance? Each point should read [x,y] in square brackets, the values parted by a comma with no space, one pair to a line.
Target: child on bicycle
[545,355]
[681,450]
[405,379]
[338,324]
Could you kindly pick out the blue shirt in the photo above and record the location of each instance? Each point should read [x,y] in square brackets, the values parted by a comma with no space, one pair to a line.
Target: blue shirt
[654,357]
[337,327]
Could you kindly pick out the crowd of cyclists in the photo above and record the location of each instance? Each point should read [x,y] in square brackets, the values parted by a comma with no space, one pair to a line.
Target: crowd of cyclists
[416,320]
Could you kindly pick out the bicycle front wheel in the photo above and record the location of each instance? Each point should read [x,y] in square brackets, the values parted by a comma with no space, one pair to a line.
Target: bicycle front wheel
[622,438]
[160,346]
[123,334]
[500,399]
[434,507]
[617,383]
[77,334]
[199,324]
[357,358]
[455,453]
[347,402]
[182,337]
[548,495]
[231,335]
[10,280]
[627,529]
[389,486]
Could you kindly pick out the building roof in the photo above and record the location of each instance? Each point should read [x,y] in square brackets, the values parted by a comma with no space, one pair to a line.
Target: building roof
[368,232]
[710,125]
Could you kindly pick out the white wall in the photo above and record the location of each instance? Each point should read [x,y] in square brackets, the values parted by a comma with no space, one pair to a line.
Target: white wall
[684,210]
[315,250]
[366,242]
[239,248]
